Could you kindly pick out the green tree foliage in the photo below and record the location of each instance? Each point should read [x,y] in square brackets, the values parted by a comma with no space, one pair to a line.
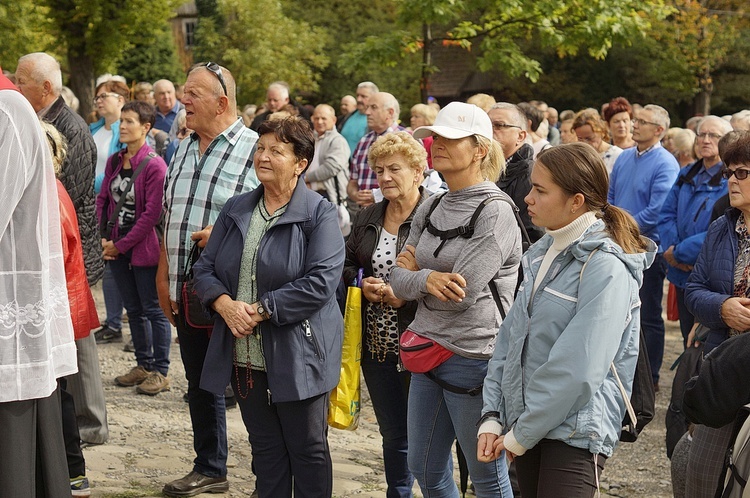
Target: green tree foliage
[347,23]
[152,57]
[498,30]
[260,44]
[97,32]
[25,29]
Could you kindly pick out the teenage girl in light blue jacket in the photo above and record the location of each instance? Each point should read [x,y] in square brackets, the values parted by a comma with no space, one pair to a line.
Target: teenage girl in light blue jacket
[550,397]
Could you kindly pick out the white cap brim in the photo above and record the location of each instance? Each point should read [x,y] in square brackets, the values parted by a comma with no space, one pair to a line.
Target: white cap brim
[443,131]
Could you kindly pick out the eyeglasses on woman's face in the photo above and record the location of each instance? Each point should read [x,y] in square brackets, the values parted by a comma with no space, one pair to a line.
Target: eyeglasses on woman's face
[104,95]
[739,173]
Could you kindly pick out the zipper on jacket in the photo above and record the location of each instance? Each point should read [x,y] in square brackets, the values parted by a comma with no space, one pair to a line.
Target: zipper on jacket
[311,337]
[698,213]
[268,391]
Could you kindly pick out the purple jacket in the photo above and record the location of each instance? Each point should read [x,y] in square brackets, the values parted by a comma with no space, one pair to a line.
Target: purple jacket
[149,190]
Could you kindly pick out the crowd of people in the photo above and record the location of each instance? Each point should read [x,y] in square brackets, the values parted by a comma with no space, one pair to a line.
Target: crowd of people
[511,257]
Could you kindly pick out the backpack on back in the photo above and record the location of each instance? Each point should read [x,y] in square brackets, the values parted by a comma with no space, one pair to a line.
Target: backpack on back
[738,471]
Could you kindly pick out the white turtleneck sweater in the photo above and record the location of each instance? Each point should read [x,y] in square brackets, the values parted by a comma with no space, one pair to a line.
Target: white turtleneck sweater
[562,238]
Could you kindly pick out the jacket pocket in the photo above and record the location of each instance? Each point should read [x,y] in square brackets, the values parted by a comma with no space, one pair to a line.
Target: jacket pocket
[312,339]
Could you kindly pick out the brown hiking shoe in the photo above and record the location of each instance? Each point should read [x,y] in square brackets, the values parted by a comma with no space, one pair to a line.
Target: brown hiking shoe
[133,378]
[153,385]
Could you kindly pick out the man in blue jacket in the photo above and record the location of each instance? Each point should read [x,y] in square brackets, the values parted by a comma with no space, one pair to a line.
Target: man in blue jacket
[686,213]
[641,179]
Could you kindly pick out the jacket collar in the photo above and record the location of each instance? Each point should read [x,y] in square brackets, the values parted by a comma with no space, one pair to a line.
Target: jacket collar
[55,109]
[298,210]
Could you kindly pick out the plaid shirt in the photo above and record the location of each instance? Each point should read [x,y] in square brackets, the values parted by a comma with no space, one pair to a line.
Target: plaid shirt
[197,187]
[358,168]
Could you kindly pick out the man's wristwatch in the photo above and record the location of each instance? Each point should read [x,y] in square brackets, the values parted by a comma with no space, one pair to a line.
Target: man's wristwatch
[262,311]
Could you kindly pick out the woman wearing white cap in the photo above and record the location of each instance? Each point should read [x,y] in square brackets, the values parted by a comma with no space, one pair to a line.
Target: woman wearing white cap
[461,266]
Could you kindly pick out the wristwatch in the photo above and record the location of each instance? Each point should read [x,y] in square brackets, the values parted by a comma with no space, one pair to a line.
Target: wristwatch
[262,311]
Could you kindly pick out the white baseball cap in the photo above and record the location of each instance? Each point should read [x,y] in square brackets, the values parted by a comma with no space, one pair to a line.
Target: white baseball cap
[458,120]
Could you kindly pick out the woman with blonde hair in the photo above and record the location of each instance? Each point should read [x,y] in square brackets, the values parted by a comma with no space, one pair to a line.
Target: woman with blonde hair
[424,115]
[684,142]
[460,265]
[379,233]
[591,129]
[551,397]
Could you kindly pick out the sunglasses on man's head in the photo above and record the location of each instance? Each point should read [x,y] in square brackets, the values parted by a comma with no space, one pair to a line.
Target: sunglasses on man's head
[216,69]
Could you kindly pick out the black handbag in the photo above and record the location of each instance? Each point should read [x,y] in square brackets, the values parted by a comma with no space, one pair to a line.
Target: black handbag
[195,314]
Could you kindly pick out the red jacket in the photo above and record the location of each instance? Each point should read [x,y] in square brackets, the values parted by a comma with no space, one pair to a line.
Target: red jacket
[82,306]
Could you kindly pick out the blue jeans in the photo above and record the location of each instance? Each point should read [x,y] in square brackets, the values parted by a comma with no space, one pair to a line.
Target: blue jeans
[389,393]
[652,323]
[112,300]
[437,417]
[207,410]
[150,329]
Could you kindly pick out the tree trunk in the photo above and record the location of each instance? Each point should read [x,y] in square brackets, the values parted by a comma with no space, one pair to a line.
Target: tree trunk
[424,84]
[82,80]
[702,103]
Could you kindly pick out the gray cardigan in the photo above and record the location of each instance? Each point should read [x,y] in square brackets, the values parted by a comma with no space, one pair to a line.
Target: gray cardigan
[468,328]
[333,153]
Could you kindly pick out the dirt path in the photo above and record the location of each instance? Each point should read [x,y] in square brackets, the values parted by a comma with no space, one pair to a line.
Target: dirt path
[151,442]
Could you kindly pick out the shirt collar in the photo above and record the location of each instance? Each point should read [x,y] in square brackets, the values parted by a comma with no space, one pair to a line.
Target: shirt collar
[638,153]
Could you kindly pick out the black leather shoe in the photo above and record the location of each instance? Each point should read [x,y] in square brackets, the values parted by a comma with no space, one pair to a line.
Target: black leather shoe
[195,483]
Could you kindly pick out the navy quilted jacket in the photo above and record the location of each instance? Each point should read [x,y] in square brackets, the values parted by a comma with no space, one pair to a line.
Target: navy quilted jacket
[712,280]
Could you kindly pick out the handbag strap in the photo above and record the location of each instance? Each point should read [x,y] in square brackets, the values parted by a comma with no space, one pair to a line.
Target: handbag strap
[623,392]
[193,255]
[107,229]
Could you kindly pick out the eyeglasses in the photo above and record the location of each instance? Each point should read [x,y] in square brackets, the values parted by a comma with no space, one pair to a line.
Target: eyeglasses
[739,173]
[216,69]
[104,95]
[502,126]
[714,137]
[642,122]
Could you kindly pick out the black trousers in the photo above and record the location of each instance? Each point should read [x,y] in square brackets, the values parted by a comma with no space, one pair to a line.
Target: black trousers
[553,469]
[76,462]
[289,440]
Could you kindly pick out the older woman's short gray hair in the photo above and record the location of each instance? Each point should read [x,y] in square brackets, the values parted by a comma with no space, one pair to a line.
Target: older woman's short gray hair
[399,142]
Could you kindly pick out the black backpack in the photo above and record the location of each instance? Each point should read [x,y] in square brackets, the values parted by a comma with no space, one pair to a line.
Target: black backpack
[688,366]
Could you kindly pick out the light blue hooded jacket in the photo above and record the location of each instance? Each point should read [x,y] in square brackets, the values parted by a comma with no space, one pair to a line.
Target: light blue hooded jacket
[550,373]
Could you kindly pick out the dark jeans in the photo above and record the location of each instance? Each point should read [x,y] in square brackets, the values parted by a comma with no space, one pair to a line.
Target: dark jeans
[149,328]
[389,393]
[207,411]
[687,320]
[289,441]
[73,453]
[112,300]
[553,469]
[652,323]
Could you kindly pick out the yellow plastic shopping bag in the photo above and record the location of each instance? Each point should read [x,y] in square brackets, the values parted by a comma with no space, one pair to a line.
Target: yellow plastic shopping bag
[343,409]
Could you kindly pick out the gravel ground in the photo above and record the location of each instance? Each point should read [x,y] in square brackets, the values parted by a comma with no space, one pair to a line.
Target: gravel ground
[151,442]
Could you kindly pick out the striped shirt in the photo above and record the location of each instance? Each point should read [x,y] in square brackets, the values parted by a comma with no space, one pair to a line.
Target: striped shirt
[358,168]
[197,187]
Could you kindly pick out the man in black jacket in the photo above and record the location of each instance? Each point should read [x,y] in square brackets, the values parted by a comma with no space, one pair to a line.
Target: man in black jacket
[509,127]
[39,78]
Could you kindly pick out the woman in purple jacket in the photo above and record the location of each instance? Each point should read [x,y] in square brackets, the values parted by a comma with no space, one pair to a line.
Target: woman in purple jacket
[131,246]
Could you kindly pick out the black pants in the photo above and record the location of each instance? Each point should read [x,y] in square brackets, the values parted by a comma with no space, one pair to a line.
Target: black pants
[76,462]
[553,469]
[289,440]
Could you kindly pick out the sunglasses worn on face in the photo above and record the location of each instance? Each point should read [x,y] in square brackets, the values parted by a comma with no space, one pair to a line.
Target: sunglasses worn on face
[739,173]
[216,69]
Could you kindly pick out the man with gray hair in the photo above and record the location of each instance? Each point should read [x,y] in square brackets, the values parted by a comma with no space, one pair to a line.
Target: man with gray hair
[277,98]
[687,210]
[212,165]
[741,120]
[39,78]
[509,128]
[382,117]
[167,107]
[355,126]
[640,181]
